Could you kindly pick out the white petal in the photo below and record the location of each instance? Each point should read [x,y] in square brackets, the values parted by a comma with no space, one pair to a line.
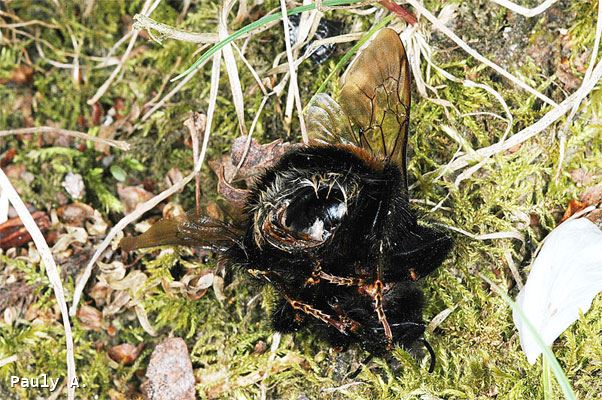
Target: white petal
[564,279]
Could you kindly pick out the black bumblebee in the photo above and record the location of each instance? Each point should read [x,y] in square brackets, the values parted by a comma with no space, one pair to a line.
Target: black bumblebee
[329,226]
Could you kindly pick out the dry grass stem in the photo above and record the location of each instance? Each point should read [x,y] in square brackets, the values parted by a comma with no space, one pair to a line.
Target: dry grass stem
[527,12]
[449,33]
[151,203]
[166,31]
[49,129]
[293,86]
[548,119]
[147,8]
[513,269]
[51,270]
[232,68]
[8,360]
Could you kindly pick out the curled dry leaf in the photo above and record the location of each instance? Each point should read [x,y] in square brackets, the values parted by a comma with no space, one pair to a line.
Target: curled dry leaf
[90,318]
[96,225]
[235,196]
[565,277]
[173,210]
[132,196]
[75,214]
[132,282]
[143,319]
[111,272]
[173,176]
[258,158]
[100,293]
[125,353]
[73,235]
[118,301]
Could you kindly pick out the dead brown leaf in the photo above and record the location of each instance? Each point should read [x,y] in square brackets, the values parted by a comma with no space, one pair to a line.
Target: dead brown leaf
[125,353]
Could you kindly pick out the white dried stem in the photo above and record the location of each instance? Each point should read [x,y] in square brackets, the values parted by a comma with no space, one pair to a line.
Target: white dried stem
[149,204]
[527,12]
[293,86]
[232,68]
[8,360]
[548,119]
[147,8]
[51,270]
[166,31]
[49,129]
[449,33]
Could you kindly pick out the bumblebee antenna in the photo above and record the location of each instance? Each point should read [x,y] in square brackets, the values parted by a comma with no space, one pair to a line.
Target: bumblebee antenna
[431,352]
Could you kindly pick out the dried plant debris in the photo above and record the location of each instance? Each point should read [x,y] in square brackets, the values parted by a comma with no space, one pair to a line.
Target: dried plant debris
[14,234]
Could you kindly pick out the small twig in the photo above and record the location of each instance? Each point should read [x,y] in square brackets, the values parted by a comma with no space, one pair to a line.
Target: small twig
[49,129]
[51,271]
[146,10]
[293,85]
[399,11]
[144,22]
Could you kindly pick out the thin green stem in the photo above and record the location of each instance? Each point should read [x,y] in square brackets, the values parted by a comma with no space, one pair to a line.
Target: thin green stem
[255,25]
[561,377]
[548,392]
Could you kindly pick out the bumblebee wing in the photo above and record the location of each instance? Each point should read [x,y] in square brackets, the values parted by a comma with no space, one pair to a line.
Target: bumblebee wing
[375,95]
[326,121]
[190,230]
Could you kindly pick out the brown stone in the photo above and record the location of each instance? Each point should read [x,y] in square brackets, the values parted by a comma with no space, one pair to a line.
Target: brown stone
[169,372]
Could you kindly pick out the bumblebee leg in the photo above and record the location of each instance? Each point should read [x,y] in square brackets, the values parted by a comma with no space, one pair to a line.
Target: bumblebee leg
[318,314]
[380,312]
[375,292]
[318,275]
[276,281]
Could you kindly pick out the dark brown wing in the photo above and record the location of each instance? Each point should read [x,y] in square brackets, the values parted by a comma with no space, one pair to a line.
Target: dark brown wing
[190,230]
[375,95]
[374,104]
